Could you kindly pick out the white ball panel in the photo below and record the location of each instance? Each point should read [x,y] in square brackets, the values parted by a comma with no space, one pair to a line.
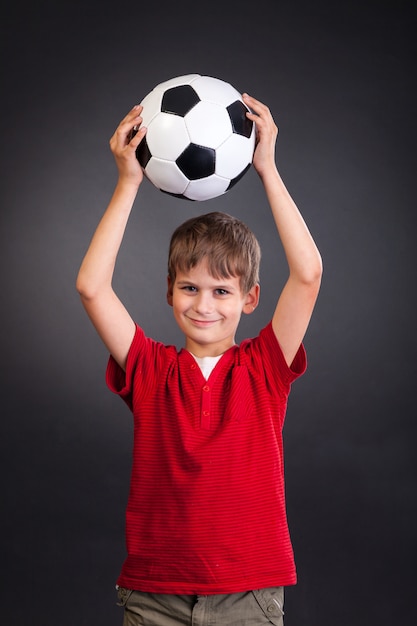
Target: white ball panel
[206,188]
[233,156]
[208,124]
[215,90]
[151,106]
[161,128]
[166,176]
[187,79]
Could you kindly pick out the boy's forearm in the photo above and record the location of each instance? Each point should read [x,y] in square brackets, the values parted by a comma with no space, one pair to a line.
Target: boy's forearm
[97,268]
[302,255]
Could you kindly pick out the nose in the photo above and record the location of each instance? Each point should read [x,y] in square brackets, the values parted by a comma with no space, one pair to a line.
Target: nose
[203,303]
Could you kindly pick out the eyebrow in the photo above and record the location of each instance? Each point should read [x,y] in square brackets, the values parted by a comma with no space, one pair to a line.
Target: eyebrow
[226,286]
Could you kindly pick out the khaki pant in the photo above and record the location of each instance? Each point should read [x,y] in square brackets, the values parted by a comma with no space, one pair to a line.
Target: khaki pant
[261,607]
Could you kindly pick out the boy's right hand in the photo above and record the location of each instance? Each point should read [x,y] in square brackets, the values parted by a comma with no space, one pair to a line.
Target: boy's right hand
[124,143]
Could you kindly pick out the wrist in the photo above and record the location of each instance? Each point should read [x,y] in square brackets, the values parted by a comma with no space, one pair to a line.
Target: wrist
[128,183]
[269,174]
[125,192]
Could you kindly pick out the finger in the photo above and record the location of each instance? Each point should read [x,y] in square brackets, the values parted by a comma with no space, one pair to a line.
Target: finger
[254,102]
[127,130]
[257,107]
[132,119]
[133,113]
[136,135]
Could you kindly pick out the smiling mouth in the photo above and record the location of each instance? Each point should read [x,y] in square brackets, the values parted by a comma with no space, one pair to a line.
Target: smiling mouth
[201,323]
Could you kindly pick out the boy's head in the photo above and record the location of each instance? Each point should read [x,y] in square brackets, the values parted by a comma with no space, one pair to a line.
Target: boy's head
[225,243]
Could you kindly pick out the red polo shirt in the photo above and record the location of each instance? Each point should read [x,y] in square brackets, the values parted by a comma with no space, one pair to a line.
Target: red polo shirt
[206,510]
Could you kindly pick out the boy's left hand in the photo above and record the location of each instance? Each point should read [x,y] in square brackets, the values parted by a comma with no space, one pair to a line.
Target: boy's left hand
[266,135]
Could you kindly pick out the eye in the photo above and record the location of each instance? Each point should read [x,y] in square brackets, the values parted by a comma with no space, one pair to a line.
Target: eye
[221,292]
[189,288]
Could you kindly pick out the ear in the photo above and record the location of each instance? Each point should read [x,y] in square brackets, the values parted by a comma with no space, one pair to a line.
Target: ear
[252,299]
[169,291]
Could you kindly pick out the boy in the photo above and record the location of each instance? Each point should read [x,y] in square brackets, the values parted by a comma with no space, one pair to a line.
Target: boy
[206,528]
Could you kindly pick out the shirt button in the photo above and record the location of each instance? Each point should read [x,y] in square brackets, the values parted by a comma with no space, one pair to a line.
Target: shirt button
[206,388]
[193,366]
[206,413]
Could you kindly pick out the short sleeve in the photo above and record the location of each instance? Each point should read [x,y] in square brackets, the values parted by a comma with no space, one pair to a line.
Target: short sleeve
[265,359]
[271,350]
[119,381]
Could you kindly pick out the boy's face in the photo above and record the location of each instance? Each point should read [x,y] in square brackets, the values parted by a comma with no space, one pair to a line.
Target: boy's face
[208,309]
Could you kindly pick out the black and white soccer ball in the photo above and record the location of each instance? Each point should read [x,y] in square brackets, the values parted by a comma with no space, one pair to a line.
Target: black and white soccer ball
[199,142]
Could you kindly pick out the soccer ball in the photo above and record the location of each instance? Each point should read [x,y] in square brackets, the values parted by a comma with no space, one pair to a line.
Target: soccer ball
[199,142]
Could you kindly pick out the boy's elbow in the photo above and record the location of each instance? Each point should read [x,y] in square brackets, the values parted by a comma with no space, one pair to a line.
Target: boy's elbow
[84,288]
[317,270]
[310,282]
[80,284]
[313,272]
[91,290]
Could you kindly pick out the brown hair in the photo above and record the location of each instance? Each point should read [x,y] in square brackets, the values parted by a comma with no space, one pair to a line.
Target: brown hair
[227,244]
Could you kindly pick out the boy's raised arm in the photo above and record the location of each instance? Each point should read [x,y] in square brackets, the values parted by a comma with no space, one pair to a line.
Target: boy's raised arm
[296,302]
[94,282]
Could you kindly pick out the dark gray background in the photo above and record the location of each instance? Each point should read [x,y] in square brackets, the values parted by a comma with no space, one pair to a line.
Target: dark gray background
[339,79]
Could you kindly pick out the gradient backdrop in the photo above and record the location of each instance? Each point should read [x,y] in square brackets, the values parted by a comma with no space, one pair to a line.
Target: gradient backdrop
[339,79]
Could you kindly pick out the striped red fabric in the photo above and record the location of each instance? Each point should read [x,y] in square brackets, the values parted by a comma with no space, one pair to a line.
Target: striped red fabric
[206,510]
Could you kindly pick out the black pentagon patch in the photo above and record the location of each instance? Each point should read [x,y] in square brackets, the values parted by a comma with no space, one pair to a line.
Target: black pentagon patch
[240,123]
[143,154]
[237,178]
[179,100]
[197,162]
